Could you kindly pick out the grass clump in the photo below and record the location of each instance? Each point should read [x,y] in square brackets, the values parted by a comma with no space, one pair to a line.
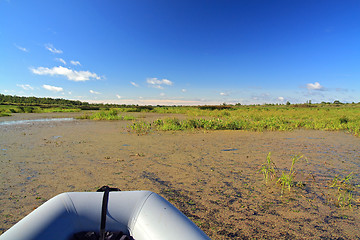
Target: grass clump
[268,169]
[141,128]
[112,114]
[344,193]
[287,178]
[4,114]
[128,118]
[169,124]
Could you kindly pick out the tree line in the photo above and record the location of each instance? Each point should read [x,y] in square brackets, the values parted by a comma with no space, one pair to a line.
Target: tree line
[9,99]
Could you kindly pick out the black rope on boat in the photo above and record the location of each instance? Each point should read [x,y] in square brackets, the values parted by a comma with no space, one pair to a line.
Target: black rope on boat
[106,190]
[103,235]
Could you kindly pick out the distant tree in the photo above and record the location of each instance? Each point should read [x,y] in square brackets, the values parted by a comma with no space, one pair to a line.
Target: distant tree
[37,101]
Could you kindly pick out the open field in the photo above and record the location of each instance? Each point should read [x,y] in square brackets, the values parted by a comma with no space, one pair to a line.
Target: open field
[250,118]
[212,176]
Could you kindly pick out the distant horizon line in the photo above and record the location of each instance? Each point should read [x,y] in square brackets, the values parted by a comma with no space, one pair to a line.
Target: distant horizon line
[174,102]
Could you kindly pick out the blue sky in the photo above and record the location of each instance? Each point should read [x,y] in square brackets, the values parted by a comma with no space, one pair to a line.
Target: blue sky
[181,52]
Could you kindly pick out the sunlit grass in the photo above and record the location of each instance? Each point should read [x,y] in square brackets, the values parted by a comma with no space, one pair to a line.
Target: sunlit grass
[252,118]
[141,128]
[7,110]
[288,177]
[268,169]
[345,189]
[112,114]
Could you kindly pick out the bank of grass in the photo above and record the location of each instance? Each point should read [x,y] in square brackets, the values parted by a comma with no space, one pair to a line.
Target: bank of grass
[112,114]
[263,118]
[4,114]
[257,122]
[7,110]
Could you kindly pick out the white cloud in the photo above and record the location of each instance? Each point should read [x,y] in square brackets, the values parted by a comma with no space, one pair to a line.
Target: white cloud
[25,86]
[281,99]
[77,76]
[118,96]
[76,63]
[51,48]
[134,84]
[314,86]
[61,60]
[183,90]
[260,98]
[21,48]
[156,83]
[224,94]
[52,88]
[93,92]
[162,94]
[157,86]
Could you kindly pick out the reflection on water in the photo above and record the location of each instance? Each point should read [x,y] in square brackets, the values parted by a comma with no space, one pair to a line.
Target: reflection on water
[229,150]
[35,120]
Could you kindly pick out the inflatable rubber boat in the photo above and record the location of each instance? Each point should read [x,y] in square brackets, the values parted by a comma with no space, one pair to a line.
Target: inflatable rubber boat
[140,214]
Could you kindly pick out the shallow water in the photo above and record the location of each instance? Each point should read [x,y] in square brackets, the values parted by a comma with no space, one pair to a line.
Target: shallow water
[18,122]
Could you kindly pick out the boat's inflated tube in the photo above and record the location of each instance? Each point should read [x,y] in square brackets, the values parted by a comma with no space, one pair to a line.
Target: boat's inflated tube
[142,214]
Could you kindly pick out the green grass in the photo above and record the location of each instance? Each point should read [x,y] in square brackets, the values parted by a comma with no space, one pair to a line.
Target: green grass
[268,169]
[345,189]
[4,114]
[59,109]
[7,110]
[287,178]
[341,189]
[141,128]
[262,118]
[112,114]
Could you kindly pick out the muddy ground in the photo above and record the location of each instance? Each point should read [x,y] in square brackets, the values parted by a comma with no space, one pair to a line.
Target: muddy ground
[211,176]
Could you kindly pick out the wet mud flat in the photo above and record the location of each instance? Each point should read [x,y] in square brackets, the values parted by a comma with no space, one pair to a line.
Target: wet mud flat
[213,176]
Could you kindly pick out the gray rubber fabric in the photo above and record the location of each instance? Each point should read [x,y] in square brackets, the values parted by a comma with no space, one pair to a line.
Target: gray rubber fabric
[141,214]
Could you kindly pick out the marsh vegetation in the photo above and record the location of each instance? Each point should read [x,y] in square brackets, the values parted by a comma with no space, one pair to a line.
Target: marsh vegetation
[267,117]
